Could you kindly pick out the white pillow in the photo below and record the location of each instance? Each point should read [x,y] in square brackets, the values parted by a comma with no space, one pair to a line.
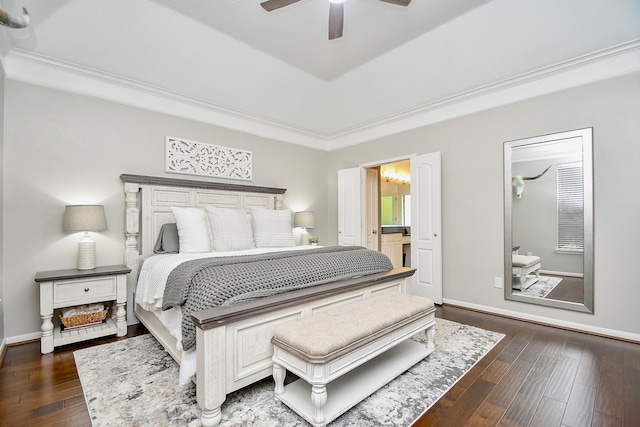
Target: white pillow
[230,229]
[272,228]
[193,230]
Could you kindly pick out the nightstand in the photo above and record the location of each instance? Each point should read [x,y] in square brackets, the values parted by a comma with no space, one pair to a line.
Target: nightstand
[67,288]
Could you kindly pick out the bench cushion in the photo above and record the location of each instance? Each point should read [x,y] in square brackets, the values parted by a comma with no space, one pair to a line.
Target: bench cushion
[327,334]
[524,260]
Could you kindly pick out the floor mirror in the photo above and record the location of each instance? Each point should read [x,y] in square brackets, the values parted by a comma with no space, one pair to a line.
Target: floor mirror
[548,220]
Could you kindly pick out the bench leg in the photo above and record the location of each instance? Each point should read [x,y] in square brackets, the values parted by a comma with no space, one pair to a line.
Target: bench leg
[279,373]
[519,281]
[318,398]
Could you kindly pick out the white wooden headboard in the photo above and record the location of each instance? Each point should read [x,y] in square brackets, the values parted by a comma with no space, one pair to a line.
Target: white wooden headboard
[148,202]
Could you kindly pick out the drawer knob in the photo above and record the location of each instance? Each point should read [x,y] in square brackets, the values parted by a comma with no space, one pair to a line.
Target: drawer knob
[86,289]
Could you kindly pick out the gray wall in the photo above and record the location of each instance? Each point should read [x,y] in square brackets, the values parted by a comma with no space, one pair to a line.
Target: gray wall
[472,204]
[62,148]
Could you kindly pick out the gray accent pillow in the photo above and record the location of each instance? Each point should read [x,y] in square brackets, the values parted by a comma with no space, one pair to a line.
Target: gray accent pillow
[168,241]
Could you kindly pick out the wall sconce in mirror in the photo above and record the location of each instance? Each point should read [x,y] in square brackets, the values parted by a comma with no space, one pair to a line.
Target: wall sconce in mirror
[85,218]
[548,227]
[304,220]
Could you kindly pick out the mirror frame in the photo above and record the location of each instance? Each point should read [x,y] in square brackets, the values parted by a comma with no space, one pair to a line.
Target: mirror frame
[587,158]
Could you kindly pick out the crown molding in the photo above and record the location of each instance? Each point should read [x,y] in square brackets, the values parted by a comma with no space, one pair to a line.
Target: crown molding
[29,67]
[597,66]
[601,65]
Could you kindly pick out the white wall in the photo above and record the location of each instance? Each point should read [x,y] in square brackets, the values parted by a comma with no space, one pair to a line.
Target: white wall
[63,148]
[472,216]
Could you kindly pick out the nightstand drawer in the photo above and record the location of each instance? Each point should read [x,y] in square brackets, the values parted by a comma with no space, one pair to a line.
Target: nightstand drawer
[71,292]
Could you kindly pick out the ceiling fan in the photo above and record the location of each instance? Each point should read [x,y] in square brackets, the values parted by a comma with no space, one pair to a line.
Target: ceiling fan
[336,12]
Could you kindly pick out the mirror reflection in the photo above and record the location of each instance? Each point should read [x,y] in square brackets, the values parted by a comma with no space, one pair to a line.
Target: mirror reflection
[548,238]
[395,194]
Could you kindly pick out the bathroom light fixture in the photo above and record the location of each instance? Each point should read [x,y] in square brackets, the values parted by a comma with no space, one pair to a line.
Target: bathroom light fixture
[396,177]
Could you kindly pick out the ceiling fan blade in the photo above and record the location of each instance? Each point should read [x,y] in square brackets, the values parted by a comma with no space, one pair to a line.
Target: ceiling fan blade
[398,2]
[336,20]
[270,5]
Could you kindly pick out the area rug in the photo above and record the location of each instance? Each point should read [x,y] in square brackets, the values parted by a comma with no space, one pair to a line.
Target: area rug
[134,382]
[541,288]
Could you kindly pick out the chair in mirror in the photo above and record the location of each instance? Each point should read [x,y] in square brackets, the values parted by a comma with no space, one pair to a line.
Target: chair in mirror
[548,210]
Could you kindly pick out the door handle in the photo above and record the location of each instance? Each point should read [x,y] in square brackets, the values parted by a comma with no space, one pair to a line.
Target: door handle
[374,231]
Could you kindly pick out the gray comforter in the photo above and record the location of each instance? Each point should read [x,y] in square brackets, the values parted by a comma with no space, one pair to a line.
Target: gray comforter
[205,283]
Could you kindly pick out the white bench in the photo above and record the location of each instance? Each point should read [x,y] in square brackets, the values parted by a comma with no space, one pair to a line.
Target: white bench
[328,351]
[522,265]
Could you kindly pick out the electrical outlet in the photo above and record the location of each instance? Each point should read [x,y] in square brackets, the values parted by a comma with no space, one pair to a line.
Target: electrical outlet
[497,282]
[529,253]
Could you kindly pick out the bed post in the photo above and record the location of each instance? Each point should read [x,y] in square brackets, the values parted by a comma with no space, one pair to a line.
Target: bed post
[131,253]
[211,390]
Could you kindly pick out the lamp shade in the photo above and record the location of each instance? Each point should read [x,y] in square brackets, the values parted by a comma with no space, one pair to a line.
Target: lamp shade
[84,218]
[304,219]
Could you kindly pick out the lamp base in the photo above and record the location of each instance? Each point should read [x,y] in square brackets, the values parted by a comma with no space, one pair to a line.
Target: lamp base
[86,253]
[304,237]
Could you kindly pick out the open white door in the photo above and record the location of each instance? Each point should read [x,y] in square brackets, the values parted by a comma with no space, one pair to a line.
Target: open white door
[349,207]
[372,208]
[426,226]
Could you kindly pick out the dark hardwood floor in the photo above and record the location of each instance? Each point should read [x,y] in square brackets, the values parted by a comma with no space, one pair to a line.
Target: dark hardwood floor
[44,390]
[536,376]
[569,289]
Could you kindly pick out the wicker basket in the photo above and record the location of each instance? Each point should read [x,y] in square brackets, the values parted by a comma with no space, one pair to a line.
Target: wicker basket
[83,319]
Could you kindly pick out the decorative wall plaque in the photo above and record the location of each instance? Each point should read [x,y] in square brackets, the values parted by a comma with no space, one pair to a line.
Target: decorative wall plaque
[197,158]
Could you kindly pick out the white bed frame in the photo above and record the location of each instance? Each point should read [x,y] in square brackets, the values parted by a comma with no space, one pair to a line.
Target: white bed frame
[233,343]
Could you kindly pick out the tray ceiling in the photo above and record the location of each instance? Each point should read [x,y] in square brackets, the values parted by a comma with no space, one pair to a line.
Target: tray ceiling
[279,70]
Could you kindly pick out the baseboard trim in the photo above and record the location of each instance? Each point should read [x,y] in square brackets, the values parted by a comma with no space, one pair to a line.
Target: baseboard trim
[546,321]
[3,351]
[21,339]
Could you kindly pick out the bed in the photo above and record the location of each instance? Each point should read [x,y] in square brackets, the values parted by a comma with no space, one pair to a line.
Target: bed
[232,342]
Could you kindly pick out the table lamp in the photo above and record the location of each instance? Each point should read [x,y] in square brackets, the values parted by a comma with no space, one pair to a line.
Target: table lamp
[304,220]
[85,218]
